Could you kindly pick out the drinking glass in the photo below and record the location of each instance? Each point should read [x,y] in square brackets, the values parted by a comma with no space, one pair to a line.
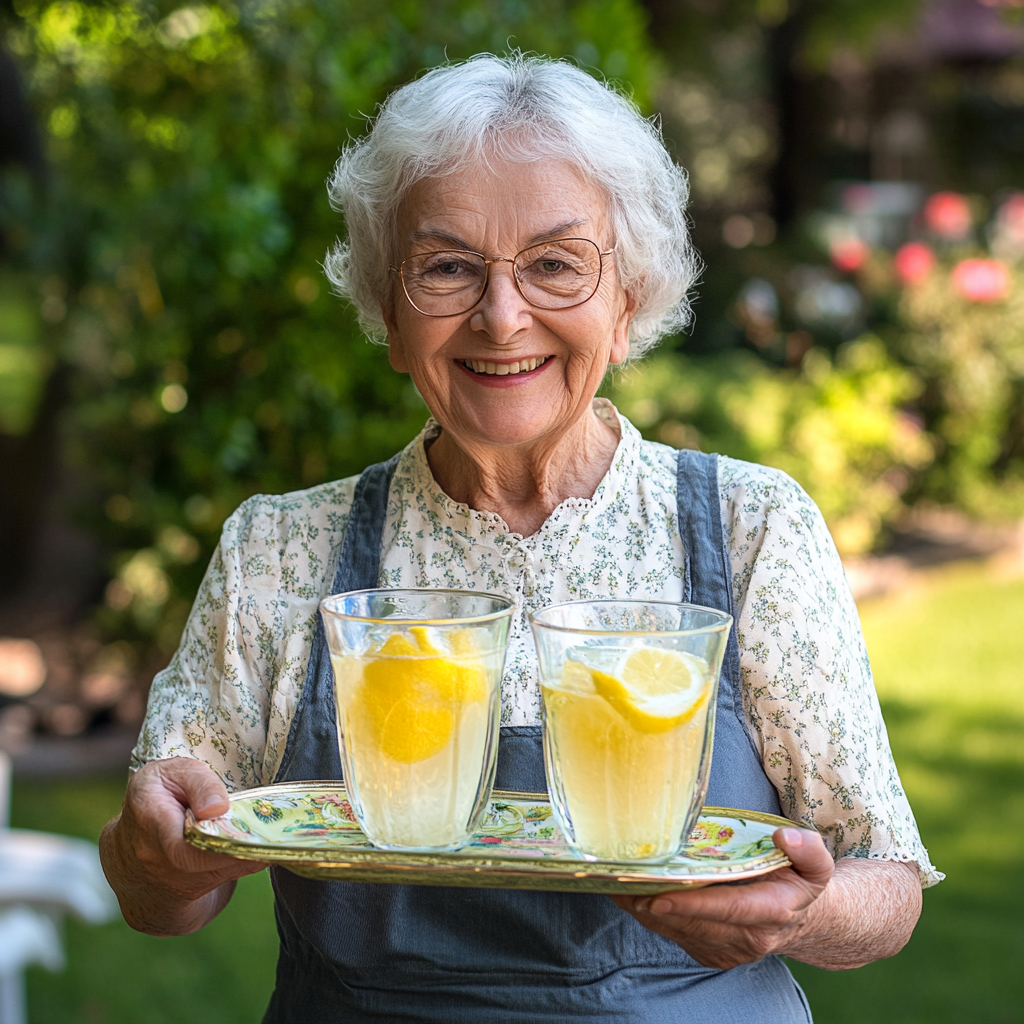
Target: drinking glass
[417,687]
[629,693]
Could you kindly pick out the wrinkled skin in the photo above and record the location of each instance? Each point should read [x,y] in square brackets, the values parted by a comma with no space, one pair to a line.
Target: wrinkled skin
[164,885]
[834,916]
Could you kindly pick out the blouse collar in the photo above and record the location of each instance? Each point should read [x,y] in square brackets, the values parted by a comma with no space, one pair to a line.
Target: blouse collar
[415,483]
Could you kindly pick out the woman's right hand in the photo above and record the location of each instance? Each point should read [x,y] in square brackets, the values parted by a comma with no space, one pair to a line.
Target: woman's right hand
[164,885]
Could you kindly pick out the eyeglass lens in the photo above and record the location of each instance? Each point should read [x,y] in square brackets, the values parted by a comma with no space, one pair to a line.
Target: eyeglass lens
[552,275]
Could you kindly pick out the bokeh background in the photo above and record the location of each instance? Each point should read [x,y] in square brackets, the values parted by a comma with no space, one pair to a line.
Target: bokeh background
[168,347]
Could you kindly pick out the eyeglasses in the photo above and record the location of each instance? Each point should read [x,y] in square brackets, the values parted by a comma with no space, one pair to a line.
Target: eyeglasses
[552,275]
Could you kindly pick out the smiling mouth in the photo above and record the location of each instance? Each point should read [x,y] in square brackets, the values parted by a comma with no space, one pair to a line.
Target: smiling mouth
[503,369]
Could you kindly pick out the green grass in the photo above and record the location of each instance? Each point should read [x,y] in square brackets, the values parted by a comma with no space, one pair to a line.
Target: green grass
[949,662]
[949,665]
[221,975]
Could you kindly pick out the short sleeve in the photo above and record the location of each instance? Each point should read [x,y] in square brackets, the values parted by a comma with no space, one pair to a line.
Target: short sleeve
[228,695]
[808,692]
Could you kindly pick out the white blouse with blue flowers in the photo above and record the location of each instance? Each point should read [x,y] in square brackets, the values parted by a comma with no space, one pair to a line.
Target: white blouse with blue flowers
[229,693]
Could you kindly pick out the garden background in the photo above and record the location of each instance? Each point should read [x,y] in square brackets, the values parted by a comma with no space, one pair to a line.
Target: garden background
[168,346]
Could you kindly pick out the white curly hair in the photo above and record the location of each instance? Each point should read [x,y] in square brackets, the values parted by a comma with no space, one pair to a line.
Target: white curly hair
[519,108]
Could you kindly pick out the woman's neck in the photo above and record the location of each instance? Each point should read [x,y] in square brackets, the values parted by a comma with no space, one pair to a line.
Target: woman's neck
[524,484]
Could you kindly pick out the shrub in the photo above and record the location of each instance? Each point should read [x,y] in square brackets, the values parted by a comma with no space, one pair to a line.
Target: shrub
[838,427]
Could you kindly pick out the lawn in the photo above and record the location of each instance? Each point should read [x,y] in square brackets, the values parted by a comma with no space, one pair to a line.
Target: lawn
[949,666]
[948,656]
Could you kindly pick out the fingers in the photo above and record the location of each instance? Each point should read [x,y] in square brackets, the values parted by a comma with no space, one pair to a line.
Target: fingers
[807,854]
[154,817]
[770,900]
[196,786]
[723,925]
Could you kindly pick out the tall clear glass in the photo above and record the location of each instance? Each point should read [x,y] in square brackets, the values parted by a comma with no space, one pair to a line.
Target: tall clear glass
[417,686]
[629,693]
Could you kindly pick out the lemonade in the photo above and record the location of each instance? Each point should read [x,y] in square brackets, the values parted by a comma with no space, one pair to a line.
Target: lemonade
[626,732]
[416,712]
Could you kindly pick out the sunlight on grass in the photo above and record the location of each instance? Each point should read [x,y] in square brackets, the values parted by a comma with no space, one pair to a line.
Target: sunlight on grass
[948,655]
[956,637]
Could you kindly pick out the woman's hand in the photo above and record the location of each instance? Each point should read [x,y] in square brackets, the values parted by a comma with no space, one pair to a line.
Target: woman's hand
[164,885]
[831,915]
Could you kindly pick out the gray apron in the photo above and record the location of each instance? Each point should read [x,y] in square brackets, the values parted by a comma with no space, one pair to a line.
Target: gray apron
[356,952]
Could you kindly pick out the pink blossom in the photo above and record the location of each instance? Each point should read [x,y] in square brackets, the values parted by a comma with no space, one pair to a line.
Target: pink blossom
[1011,213]
[981,280]
[848,255]
[914,262]
[948,215]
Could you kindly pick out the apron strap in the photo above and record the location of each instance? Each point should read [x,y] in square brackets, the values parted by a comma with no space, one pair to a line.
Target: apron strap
[737,775]
[358,569]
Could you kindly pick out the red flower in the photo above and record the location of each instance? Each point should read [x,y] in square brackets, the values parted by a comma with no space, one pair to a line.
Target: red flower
[948,215]
[981,280]
[848,255]
[914,262]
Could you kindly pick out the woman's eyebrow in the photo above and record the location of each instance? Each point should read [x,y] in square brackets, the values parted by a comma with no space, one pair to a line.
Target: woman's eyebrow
[441,236]
[557,231]
[460,243]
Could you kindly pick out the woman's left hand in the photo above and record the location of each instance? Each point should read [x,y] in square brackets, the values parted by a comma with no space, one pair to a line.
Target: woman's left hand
[722,926]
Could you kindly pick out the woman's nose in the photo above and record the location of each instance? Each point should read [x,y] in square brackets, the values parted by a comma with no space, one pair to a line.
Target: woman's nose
[502,311]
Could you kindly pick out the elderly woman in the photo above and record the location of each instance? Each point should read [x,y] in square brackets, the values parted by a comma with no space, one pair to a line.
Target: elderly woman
[514,228]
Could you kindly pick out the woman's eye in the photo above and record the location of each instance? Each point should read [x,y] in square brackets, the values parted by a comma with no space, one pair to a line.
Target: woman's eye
[548,267]
[446,268]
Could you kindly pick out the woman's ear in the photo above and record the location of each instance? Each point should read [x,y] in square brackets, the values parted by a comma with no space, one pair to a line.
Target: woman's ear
[396,351]
[620,338]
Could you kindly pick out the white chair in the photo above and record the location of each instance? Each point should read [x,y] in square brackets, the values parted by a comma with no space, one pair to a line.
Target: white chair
[42,877]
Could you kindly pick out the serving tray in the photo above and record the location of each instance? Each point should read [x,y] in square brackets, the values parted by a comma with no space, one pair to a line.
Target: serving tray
[309,828]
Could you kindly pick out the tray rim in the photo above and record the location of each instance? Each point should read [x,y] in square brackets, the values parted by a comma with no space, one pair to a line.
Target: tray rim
[452,868]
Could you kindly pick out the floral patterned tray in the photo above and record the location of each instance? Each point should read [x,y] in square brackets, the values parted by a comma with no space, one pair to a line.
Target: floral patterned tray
[309,828]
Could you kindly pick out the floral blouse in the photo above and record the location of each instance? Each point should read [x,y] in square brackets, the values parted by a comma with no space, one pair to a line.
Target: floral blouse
[229,693]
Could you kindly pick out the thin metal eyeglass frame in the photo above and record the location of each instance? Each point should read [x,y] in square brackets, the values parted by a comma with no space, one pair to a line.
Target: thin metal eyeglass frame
[515,273]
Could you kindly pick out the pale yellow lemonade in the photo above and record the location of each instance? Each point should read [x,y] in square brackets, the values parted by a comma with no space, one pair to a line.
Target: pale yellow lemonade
[414,712]
[627,743]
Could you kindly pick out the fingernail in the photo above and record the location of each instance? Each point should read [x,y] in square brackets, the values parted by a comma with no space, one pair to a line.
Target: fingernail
[206,807]
[793,836]
[660,906]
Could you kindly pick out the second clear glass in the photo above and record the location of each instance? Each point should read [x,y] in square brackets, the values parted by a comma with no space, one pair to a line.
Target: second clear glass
[629,691]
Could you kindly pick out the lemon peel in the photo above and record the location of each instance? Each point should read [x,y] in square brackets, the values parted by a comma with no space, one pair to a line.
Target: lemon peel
[412,696]
[658,690]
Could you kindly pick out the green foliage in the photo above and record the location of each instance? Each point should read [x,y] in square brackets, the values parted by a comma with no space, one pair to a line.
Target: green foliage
[970,356]
[23,362]
[837,428]
[175,256]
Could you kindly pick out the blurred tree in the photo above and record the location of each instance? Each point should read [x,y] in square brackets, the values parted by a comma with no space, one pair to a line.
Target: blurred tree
[166,324]
[171,270]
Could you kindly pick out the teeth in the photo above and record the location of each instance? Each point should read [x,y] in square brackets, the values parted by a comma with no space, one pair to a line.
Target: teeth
[504,369]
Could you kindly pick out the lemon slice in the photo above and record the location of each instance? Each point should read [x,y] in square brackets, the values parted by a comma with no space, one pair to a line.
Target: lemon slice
[413,697]
[412,730]
[658,690]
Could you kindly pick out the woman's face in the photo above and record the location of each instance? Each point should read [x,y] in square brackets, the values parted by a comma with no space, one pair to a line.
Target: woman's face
[498,211]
